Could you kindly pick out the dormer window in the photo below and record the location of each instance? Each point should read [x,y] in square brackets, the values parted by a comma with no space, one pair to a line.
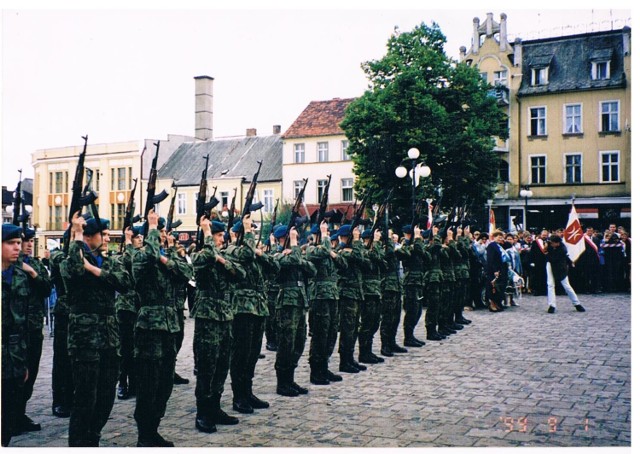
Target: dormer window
[540,70]
[601,64]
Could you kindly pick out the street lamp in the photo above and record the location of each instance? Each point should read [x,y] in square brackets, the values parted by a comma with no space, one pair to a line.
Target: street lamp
[526,193]
[415,173]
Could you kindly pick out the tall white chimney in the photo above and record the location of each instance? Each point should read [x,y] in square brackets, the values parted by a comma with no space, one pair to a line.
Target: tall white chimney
[204,107]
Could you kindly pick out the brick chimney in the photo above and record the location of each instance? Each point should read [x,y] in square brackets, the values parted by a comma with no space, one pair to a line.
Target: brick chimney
[276,129]
[252,132]
[204,107]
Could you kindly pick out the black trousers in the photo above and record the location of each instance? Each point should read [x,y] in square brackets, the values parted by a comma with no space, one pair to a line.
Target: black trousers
[62,373]
[34,353]
[248,330]
[126,324]
[325,319]
[11,405]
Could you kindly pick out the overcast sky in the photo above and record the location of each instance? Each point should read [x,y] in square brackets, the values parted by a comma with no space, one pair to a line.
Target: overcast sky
[127,74]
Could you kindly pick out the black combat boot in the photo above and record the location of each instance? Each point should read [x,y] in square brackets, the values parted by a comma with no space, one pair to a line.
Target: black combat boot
[254,401]
[358,365]
[219,416]
[386,350]
[294,385]
[284,388]
[432,333]
[204,418]
[395,348]
[330,375]
[347,366]
[317,376]
[366,356]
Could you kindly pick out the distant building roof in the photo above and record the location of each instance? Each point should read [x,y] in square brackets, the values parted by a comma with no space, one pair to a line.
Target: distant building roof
[228,158]
[569,60]
[27,193]
[320,118]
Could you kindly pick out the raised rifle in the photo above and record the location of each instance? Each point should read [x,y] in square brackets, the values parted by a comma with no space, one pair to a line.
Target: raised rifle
[76,194]
[128,213]
[274,216]
[324,203]
[17,202]
[294,213]
[381,220]
[357,218]
[172,206]
[249,206]
[232,214]
[203,208]
[152,197]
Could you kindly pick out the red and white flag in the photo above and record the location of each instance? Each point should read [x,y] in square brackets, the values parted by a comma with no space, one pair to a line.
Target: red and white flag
[573,235]
[492,221]
[430,220]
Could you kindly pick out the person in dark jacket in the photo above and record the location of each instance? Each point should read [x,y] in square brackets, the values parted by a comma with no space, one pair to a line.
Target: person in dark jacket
[497,271]
[558,268]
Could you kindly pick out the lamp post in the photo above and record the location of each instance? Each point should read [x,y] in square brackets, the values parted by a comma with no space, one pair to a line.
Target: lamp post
[415,173]
[526,193]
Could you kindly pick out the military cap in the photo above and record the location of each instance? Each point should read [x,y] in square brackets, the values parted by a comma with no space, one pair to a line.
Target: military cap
[367,234]
[236,227]
[28,233]
[424,233]
[314,229]
[280,232]
[11,232]
[137,230]
[94,227]
[217,227]
[406,228]
[344,230]
[162,223]
[334,237]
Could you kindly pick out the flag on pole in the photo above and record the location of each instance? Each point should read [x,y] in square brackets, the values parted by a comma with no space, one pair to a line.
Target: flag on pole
[492,221]
[430,220]
[573,235]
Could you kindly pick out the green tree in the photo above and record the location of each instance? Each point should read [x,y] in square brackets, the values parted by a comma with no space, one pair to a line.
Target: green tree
[418,97]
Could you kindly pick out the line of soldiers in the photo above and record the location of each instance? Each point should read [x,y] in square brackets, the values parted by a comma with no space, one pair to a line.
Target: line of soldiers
[119,317]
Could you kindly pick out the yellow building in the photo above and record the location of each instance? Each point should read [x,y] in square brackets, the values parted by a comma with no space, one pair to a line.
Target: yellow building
[568,100]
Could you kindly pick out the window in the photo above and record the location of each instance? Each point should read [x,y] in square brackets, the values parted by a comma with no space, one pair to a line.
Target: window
[59,182]
[503,171]
[323,151]
[609,116]
[117,215]
[538,123]
[347,189]
[58,218]
[298,153]
[610,167]
[538,169]
[297,187]
[600,70]
[484,76]
[345,150]
[122,178]
[224,198]
[182,203]
[540,76]
[573,119]
[573,168]
[267,200]
[321,185]
[195,203]
[500,78]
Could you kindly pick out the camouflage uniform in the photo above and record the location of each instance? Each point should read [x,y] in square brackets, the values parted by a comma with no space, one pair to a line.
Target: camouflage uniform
[292,306]
[433,292]
[93,340]
[351,294]
[463,245]
[413,284]
[391,309]
[271,323]
[323,314]
[40,289]
[445,318]
[370,307]
[154,338]
[15,292]
[248,323]
[61,374]
[213,310]
[127,305]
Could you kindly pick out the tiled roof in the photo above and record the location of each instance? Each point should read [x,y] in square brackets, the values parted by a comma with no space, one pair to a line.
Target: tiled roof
[569,60]
[320,118]
[228,158]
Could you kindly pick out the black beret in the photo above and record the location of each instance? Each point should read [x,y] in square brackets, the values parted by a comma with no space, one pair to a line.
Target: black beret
[11,232]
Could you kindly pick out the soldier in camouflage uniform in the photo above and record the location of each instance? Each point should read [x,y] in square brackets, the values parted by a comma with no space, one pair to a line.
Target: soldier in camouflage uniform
[61,374]
[433,288]
[250,302]
[413,283]
[372,289]
[155,271]
[127,305]
[91,281]
[213,311]
[351,294]
[179,296]
[463,244]
[15,292]
[324,295]
[450,254]
[271,323]
[40,289]
[391,309]
[292,307]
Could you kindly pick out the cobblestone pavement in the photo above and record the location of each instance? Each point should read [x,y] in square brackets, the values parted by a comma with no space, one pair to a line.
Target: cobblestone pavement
[522,377]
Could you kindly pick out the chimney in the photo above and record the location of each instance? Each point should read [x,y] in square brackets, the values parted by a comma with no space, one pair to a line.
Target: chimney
[517,54]
[252,132]
[276,129]
[475,40]
[503,32]
[204,107]
[489,31]
[463,53]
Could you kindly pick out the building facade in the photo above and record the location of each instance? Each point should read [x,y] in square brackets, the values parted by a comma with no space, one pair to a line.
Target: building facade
[568,101]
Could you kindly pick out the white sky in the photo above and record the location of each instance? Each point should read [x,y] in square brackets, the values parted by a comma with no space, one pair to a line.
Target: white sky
[121,73]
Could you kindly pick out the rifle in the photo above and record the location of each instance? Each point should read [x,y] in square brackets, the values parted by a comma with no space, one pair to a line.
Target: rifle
[170,224]
[273,224]
[378,221]
[248,203]
[203,208]
[76,193]
[152,197]
[232,214]
[17,201]
[128,213]
[324,202]
[294,213]
[357,218]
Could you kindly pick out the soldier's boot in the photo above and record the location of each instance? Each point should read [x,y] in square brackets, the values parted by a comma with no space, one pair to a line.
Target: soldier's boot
[459,315]
[204,418]
[158,439]
[346,364]
[317,375]
[284,387]
[410,340]
[240,399]
[385,350]
[330,375]
[294,385]
[219,416]
[366,355]
[432,333]
[254,401]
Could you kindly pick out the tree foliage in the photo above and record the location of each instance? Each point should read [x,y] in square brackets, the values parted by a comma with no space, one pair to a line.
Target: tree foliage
[418,97]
